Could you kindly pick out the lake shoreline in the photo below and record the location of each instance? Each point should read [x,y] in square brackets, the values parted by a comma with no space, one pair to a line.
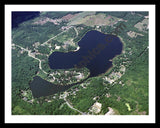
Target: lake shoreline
[98,64]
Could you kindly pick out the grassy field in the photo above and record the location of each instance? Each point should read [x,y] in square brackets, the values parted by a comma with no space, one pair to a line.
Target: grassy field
[92,20]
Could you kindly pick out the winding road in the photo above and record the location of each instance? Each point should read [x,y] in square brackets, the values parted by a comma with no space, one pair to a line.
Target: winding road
[40,62]
[30,55]
[70,106]
[29,51]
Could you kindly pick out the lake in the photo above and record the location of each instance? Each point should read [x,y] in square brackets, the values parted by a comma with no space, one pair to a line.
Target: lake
[21,16]
[96,51]
[41,87]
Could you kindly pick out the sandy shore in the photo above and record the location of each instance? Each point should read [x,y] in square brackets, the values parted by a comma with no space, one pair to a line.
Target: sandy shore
[77,49]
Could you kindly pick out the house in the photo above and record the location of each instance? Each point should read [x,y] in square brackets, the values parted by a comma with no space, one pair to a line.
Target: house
[58,47]
[80,76]
[110,112]
[96,108]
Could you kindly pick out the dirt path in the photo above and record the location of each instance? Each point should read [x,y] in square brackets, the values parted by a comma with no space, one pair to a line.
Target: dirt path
[76,31]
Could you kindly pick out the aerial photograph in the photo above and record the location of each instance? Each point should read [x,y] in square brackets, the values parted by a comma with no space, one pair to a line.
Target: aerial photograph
[80,63]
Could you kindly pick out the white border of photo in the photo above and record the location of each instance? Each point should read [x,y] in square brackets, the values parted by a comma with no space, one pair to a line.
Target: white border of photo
[9,118]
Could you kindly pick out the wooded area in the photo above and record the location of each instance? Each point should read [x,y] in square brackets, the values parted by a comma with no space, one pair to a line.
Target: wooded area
[131,88]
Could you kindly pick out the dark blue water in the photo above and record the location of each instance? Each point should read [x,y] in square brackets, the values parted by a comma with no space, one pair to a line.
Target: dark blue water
[21,16]
[41,87]
[96,49]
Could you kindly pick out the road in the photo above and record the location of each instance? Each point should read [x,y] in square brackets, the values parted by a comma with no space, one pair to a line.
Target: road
[70,106]
[29,51]
[30,55]
[40,62]
[56,36]
[40,67]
